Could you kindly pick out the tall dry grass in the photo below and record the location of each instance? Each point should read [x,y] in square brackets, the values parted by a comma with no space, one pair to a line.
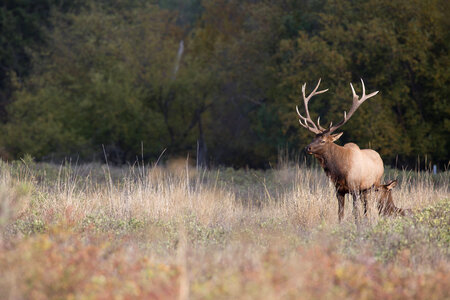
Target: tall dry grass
[186,233]
[297,194]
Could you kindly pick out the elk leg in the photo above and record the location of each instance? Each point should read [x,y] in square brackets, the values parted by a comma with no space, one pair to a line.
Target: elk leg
[341,202]
[364,200]
[355,207]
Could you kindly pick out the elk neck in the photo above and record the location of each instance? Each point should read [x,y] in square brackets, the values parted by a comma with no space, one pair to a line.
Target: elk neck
[334,161]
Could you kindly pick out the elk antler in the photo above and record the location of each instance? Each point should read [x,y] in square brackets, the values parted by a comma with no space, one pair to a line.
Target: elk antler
[356,103]
[308,123]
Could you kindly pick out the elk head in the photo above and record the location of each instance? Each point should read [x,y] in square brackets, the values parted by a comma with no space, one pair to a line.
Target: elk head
[324,136]
[386,189]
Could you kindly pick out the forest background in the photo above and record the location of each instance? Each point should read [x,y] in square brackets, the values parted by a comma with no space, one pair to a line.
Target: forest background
[219,80]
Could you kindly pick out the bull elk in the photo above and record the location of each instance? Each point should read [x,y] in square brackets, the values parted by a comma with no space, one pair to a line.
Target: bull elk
[352,170]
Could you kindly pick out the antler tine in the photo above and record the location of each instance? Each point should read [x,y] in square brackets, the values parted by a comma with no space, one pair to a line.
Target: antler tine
[315,89]
[356,103]
[353,91]
[308,123]
[306,99]
[363,88]
[296,108]
[318,125]
[306,120]
[301,117]
[305,124]
[300,121]
[303,90]
[364,97]
[313,93]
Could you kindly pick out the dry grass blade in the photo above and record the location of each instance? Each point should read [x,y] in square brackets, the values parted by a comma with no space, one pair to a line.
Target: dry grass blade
[177,233]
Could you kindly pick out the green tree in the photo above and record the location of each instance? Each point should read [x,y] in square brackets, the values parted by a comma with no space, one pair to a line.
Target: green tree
[114,73]
[399,48]
[22,27]
[86,91]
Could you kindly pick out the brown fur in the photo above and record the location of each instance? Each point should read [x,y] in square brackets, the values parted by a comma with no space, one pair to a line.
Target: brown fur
[385,203]
[352,170]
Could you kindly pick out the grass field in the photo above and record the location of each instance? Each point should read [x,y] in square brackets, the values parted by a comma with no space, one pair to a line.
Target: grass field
[98,232]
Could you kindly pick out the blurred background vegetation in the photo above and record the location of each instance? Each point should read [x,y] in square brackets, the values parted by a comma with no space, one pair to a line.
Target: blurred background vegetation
[219,80]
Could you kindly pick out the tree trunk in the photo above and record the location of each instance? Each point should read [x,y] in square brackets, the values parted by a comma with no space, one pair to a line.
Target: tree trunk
[202,151]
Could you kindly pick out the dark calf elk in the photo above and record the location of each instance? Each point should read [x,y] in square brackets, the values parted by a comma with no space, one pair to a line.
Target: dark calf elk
[351,169]
[385,204]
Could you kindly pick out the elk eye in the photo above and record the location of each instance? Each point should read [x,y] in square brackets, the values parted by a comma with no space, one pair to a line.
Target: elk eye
[322,142]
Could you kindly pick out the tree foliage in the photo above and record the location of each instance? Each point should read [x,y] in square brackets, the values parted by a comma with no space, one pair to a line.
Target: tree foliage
[220,79]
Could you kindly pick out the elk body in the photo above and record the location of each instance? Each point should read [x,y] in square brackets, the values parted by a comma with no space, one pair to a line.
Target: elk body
[385,203]
[353,170]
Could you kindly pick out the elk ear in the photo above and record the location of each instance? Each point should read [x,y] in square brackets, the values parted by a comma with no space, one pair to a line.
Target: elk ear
[336,136]
[392,184]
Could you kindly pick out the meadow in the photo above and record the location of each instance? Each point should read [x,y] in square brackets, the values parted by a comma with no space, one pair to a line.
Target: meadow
[174,232]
